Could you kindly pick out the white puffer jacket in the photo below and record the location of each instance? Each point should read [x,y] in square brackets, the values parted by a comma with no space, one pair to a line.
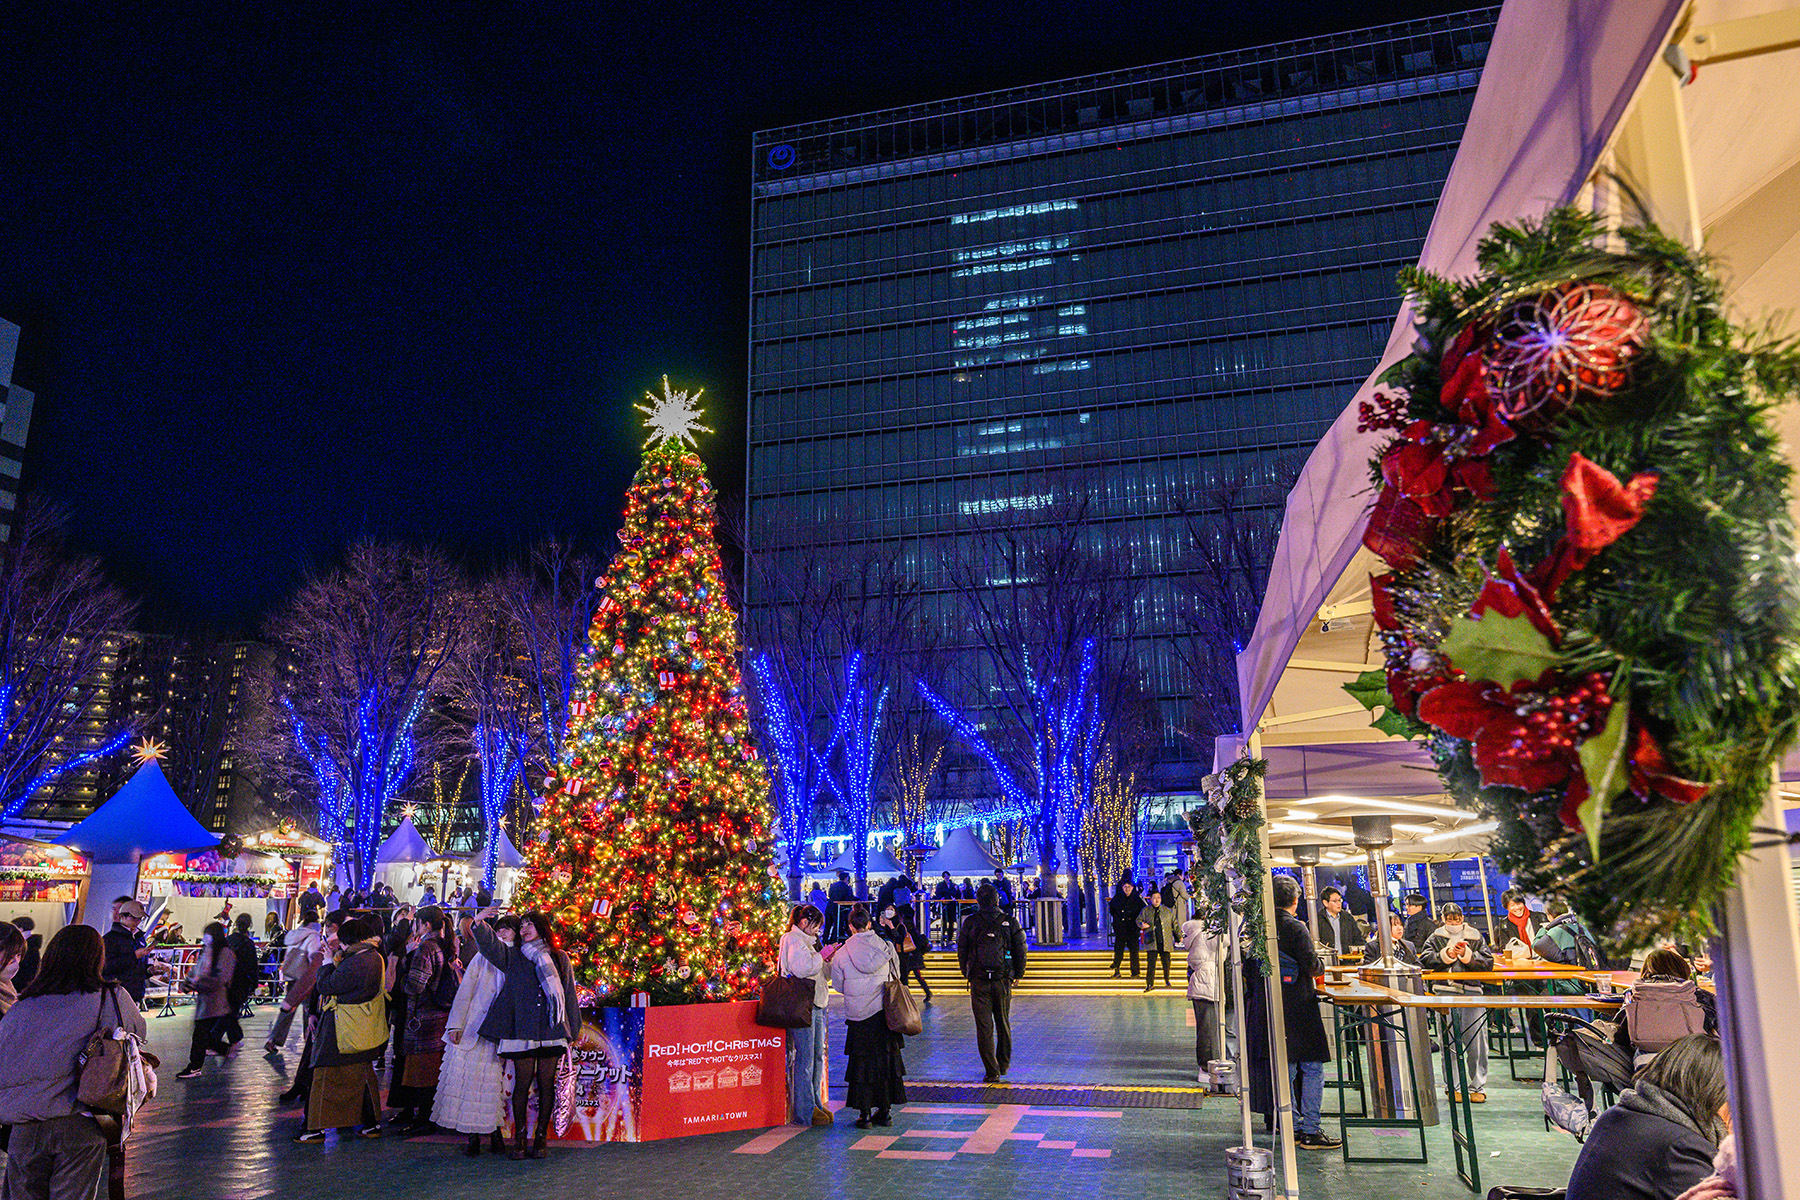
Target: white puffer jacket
[1202,960]
[860,971]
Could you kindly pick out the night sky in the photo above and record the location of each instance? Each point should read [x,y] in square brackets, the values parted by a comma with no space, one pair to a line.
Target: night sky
[292,275]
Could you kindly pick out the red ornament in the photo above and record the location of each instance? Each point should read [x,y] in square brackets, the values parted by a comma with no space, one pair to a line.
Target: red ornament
[1574,341]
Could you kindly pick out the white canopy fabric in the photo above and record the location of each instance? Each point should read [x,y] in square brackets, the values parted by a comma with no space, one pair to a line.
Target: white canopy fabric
[961,854]
[507,855]
[405,845]
[880,862]
[1573,93]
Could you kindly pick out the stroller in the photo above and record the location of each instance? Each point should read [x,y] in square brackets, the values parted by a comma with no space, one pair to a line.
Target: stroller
[1585,1049]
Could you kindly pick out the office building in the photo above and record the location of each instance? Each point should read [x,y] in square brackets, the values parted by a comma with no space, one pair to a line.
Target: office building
[1141,287]
[15,425]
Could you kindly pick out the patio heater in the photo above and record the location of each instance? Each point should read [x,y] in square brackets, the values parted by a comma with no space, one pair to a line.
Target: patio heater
[1307,859]
[1402,1086]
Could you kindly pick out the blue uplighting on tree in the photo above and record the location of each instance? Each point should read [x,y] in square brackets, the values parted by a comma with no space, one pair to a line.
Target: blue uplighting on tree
[56,771]
[856,738]
[795,783]
[500,767]
[354,795]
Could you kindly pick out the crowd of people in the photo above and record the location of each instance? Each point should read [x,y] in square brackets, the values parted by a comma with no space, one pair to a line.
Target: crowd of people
[448,1005]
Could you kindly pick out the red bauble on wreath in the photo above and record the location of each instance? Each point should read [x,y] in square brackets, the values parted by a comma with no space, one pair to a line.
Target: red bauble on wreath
[1576,340]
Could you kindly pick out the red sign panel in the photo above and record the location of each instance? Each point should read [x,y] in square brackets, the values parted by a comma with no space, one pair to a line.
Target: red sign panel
[710,1068]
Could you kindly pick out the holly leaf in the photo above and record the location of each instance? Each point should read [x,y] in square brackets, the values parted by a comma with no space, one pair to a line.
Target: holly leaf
[1603,765]
[1498,649]
[1370,690]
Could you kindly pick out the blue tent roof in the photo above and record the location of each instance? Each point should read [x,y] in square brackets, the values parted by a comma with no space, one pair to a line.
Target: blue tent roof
[144,817]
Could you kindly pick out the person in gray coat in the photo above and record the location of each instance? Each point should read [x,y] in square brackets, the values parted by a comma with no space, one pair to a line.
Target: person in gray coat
[534,1020]
[57,1149]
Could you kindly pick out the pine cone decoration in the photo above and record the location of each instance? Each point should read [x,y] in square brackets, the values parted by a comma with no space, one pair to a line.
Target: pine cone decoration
[1575,341]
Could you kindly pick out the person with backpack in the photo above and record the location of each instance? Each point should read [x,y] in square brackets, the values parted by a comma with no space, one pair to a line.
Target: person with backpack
[350,1036]
[1662,1007]
[429,984]
[1564,939]
[56,1147]
[990,950]
[300,960]
[246,973]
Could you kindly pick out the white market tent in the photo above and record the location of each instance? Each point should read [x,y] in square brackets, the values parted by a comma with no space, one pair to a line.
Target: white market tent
[881,863]
[399,860]
[961,855]
[1694,104]
[507,863]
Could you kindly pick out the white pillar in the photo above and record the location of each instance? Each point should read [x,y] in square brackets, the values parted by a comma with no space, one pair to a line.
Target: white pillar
[1756,968]
[1277,1012]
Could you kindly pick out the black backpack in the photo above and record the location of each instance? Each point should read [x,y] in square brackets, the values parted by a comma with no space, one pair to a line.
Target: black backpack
[990,949]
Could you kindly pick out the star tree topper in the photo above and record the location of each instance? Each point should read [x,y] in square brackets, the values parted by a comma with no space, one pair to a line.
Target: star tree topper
[673,416]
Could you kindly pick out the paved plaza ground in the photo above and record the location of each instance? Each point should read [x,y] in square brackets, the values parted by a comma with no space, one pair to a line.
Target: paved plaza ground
[220,1137]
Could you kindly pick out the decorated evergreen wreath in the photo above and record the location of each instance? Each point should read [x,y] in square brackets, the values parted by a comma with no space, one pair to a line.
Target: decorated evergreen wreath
[1228,852]
[1590,607]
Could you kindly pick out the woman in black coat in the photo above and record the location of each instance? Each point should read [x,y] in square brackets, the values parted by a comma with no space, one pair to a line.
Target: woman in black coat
[1660,1138]
[534,1020]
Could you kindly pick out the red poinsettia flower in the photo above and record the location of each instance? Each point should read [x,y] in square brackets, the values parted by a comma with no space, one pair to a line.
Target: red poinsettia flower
[1381,596]
[1598,510]
[1494,719]
[1465,390]
[1648,775]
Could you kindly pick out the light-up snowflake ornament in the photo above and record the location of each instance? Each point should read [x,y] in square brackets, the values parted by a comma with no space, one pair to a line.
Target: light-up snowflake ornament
[673,416]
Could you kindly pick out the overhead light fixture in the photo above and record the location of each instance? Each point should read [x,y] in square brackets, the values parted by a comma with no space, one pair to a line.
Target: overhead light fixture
[1446,835]
[1410,807]
[1336,833]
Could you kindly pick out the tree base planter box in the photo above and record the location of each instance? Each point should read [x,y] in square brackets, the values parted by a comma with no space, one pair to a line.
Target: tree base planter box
[677,1070]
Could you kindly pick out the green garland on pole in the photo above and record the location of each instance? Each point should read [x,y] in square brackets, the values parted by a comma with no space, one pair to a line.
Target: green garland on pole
[1590,608]
[1228,853]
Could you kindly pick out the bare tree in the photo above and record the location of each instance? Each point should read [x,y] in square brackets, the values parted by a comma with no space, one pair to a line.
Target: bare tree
[347,705]
[498,697]
[56,612]
[550,607]
[1231,543]
[1053,682]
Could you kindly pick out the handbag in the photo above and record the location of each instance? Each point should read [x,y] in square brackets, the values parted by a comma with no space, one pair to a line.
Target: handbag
[902,1011]
[786,1003]
[117,1073]
[360,1027]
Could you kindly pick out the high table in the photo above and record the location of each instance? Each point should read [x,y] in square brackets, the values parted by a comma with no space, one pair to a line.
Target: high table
[1443,1010]
[1537,976]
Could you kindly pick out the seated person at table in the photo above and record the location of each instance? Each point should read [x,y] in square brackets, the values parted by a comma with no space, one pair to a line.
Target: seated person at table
[1660,1138]
[1337,927]
[1459,948]
[1564,939]
[1404,951]
[1663,1007]
[1524,923]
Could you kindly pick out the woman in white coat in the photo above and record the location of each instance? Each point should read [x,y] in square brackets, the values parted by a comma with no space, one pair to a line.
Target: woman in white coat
[799,957]
[1202,948]
[859,971]
[471,1092]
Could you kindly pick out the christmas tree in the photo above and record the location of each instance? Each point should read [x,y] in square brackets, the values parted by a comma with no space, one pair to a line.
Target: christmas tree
[654,848]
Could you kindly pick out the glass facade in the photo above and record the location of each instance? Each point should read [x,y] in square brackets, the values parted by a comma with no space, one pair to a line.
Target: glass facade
[1135,286]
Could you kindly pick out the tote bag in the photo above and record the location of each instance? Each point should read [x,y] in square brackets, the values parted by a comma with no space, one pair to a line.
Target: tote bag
[902,1010]
[117,1074]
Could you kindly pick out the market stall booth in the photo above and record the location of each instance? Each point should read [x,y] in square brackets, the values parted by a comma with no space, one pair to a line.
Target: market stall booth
[40,880]
[194,888]
[143,819]
[400,862]
[305,861]
[508,862]
[1688,107]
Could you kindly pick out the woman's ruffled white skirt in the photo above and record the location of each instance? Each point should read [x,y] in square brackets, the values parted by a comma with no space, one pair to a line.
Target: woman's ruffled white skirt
[471,1093]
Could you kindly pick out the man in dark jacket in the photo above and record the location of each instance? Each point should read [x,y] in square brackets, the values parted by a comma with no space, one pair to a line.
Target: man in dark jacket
[247,970]
[945,895]
[1419,923]
[835,928]
[1124,908]
[1307,1048]
[128,950]
[990,950]
[1337,926]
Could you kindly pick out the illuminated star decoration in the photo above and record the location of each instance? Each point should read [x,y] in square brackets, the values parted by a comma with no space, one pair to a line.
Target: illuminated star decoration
[673,416]
[148,750]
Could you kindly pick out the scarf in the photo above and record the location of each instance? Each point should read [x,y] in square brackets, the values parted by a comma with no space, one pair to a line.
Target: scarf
[550,979]
[1648,1098]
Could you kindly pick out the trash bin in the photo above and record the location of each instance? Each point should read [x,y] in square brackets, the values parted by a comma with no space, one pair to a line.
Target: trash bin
[1395,1092]
[1049,921]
